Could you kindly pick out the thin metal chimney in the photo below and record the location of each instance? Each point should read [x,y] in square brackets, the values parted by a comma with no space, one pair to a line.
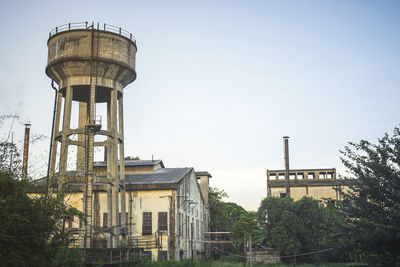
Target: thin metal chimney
[287,181]
[26,151]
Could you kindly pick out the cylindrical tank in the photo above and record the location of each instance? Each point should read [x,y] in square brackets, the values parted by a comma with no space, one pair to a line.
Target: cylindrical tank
[91,56]
[90,66]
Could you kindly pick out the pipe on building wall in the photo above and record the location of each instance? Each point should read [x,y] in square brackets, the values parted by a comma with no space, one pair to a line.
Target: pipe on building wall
[51,137]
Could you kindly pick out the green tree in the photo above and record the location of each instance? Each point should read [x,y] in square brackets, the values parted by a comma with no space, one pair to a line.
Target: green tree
[132,158]
[372,205]
[223,215]
[245,225]
[295,227]
[31,232]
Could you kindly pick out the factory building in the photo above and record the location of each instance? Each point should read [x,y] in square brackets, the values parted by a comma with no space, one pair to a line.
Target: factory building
[167,213]
[315,183]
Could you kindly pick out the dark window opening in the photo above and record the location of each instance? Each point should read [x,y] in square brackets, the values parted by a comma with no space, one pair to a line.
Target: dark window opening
[147,224]
[162,221]
[105,218]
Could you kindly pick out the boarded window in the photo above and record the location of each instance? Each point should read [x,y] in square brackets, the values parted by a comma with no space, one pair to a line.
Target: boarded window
[105,220]
[147,226]
[162,221]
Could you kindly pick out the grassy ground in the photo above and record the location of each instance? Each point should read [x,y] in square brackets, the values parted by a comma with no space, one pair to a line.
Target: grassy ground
[225,263]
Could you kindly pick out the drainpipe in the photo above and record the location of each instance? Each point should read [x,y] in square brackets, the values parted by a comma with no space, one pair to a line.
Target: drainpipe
[51,138]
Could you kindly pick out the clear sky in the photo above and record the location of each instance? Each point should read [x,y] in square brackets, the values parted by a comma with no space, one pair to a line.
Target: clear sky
[219,83]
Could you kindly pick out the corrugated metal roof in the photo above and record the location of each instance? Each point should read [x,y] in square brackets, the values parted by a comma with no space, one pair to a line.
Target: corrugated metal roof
[160,176]
[133,163]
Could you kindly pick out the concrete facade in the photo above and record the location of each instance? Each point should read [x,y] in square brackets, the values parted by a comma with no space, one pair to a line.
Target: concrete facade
[170,200]
[316,183]
[90,66]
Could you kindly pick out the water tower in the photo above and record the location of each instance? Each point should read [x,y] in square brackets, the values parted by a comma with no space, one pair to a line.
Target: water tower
[91,65]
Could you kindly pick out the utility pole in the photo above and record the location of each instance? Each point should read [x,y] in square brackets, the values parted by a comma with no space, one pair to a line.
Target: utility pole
[287,181]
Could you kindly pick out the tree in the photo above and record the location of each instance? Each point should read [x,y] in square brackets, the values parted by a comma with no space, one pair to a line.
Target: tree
[372,205]
[303,226]
[131,158]
[31,232]
[245,225]
[222,214]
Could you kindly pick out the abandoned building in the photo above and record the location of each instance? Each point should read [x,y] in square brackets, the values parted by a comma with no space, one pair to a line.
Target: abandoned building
[167,214]
[316,183]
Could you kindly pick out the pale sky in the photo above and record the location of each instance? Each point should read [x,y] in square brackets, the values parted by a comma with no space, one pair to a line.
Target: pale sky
[219,83]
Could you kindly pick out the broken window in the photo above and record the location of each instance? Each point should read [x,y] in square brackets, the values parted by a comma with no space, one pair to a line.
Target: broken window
[162,221]
[147,224]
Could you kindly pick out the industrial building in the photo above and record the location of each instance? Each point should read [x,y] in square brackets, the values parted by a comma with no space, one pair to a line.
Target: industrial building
[316,183]
[162,212]
[167,214]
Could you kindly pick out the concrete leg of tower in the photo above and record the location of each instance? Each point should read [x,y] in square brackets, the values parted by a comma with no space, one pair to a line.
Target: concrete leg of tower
[114,166]
[64,141]
[122,164]
[82,121]
[55,141]
[90,174]
[109,177]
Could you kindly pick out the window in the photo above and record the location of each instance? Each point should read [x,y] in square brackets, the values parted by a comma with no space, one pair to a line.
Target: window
[162,255]
[69,221]
[310,175]
[329,175]
[322,175]
[120,219]
[146,254]
[282,195]
[281,176]
[300,175]
[197,229]
[105,220]
[162,221]
[272,176]
[147,225]
[292,176]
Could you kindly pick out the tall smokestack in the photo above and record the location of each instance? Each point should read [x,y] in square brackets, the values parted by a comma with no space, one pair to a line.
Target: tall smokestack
[26,151]
[287,181]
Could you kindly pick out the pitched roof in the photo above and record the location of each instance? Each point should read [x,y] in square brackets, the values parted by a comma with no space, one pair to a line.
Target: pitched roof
[160,176]
[133,163]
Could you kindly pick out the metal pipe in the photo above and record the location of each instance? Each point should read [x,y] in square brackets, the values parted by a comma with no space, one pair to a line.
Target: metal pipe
[26,151]
[51,138]
[287,181]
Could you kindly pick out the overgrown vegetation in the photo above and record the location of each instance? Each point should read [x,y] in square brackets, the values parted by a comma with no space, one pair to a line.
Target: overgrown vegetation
[372,207]
[31,232]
